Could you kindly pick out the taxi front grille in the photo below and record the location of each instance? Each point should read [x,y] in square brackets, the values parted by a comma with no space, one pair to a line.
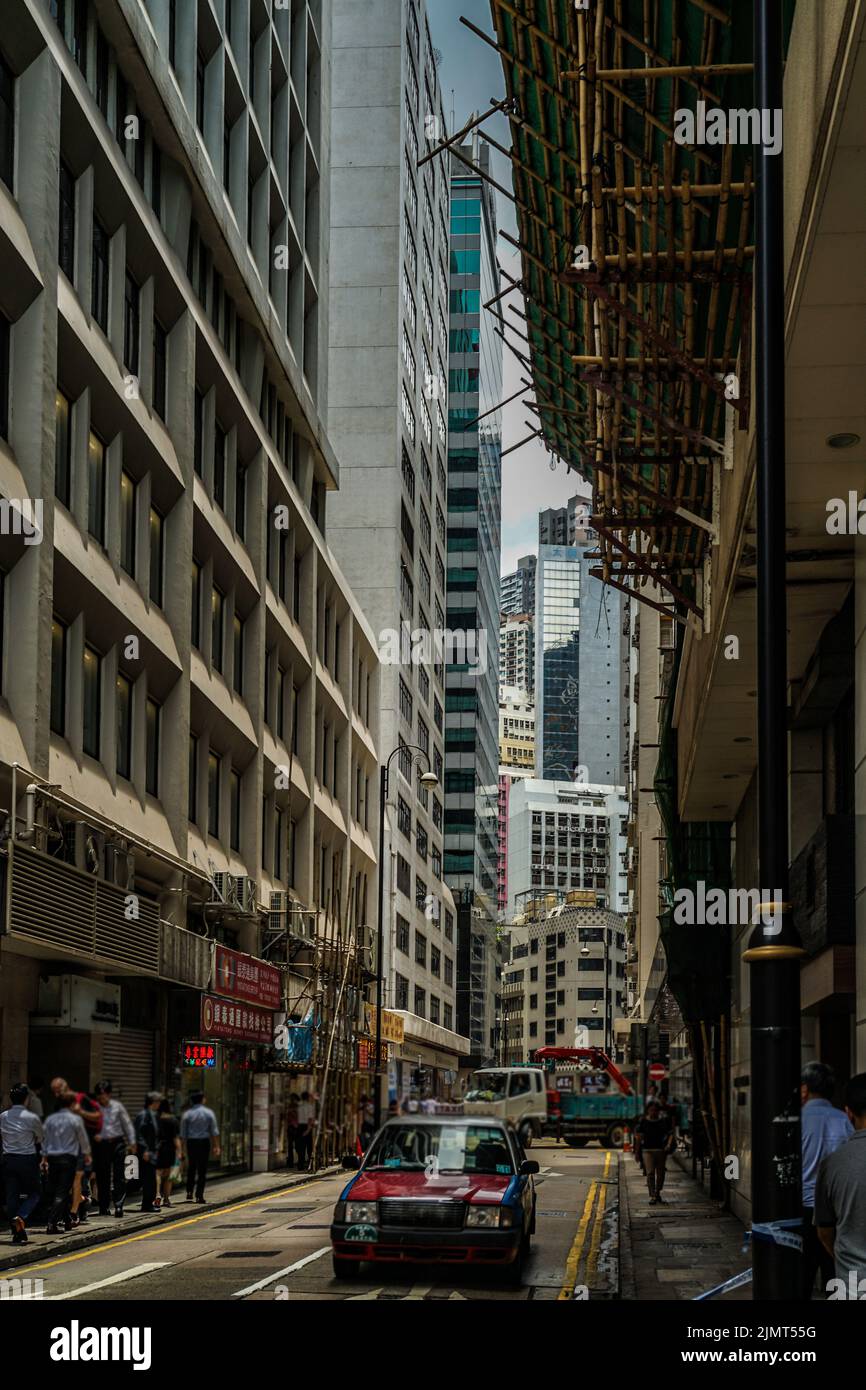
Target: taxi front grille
[445,1215]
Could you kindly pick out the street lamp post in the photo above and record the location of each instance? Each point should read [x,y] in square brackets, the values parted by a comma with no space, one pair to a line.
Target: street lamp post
[428,779]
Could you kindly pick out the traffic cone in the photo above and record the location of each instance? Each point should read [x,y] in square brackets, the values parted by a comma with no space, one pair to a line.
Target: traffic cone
[626,1141]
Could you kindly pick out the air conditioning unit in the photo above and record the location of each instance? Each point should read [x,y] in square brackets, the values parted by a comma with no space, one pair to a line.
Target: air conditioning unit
[84,846]
[224,888]
[246,892]
[120,867]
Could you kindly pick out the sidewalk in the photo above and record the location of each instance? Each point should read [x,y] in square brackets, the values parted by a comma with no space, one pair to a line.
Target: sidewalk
[220,1192]
[681,1249]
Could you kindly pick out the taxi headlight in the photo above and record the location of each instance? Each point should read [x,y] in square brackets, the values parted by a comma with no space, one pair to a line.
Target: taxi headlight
[366,1213]
[486,1217]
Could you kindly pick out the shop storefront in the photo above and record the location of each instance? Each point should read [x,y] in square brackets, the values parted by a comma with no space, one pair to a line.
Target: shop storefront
[427,1062]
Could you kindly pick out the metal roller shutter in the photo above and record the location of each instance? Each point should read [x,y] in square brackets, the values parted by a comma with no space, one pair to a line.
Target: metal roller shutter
[127,1062]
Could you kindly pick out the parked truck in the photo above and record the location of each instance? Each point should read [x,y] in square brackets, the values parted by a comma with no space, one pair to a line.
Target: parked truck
[587,1097]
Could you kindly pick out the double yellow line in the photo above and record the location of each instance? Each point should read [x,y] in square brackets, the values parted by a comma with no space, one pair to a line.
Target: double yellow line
[593,1215]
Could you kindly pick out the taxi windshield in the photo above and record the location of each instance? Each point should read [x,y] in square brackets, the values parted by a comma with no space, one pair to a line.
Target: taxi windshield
[445,1148]
[488,1085]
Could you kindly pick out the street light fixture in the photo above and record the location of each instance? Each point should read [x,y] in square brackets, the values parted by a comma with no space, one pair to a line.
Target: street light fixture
[427,779]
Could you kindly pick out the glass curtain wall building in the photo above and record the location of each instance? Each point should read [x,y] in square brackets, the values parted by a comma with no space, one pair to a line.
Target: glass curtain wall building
[474,511]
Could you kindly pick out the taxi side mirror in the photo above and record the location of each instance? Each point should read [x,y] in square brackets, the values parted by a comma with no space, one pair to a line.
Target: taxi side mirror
[528,1167]
[351,1161]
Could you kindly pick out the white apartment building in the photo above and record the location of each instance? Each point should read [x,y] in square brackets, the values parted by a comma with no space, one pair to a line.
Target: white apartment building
[192,695]
[517,651]
[516,733]
[564,985]
[389,240]
[564,836]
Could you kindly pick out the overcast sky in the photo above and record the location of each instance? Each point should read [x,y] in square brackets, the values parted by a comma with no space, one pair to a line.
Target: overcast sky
[471,76]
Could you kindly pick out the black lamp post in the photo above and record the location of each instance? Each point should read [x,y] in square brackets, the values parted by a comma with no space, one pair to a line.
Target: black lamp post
[428,779]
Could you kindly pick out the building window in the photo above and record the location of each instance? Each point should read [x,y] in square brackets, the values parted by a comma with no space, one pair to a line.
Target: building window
[219,466]
[195,625]
[172,32]
[62,448]
[192,807]
[96,487]
[99,276]
[420,1001]
[401,991]
[278,843]
[101,72]
[238,661]
[199,89]
[7,123]
[160,365]
[420,948]
[79,35]
[66,236]
[130,325]
[241,500]
[123,698]
[402,935]
[127,522]
[157,541]
[58,677]
[151,756]
[198,431]
[217,609]
[235,809]
[214,763]
[91,701]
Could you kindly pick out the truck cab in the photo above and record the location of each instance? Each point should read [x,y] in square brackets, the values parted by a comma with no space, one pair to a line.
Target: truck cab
[517,1095]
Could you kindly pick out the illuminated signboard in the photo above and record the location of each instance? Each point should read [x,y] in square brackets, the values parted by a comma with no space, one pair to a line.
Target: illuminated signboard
[198,1054]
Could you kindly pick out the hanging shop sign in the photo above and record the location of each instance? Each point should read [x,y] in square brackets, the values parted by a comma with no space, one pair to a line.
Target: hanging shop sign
[198,1054]
[244,977]
[367,1055]
[236,1022]
[392,1025]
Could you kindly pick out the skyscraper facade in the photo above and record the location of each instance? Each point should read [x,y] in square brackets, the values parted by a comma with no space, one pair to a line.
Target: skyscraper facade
[389,237]
[578,670]
[474,509]
[517,589]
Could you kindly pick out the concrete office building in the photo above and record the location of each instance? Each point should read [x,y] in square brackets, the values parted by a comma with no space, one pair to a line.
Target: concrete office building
[389,233]
[517,652]
[517,589]
[565,525]
[516,759]
[579,668]
[474,507]
[191,700]
[564,984]
[563,837]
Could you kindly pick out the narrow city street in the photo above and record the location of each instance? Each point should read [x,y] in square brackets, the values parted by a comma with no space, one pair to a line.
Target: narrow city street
[278,1248]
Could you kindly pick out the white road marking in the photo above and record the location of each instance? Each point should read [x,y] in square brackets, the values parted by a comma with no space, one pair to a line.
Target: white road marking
[289,1269]
[121,1278]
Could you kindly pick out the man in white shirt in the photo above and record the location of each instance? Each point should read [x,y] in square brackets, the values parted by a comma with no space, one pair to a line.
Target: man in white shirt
[66,1141]
[20,1137]
[109,1156]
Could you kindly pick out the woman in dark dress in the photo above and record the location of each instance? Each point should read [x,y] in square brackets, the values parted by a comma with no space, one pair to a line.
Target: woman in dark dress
[168,1150]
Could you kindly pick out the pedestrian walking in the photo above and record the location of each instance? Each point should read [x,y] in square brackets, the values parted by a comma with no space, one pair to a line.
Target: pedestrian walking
[34,1102]
[20,1138]
[306,1123]
[654,1139]
[109,1156]
[366,1121]
[168,1151]
[823,1130]
[147,1138]
[291,1129]
[65,1142]
[840,1197]
[199,1131]
[91,1115]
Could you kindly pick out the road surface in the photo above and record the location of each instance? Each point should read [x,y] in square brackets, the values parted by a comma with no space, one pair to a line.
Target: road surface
[278,1247]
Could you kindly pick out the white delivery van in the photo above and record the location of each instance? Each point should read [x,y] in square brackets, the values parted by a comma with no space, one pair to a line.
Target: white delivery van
[515,1094]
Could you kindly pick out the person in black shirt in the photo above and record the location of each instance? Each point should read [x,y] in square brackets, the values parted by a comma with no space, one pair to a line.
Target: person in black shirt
[654,1138]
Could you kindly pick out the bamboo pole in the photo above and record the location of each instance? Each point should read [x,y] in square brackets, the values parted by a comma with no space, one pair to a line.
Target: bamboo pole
[659,73]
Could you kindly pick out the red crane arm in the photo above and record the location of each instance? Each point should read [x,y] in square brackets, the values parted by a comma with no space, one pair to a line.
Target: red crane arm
[593,1054]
